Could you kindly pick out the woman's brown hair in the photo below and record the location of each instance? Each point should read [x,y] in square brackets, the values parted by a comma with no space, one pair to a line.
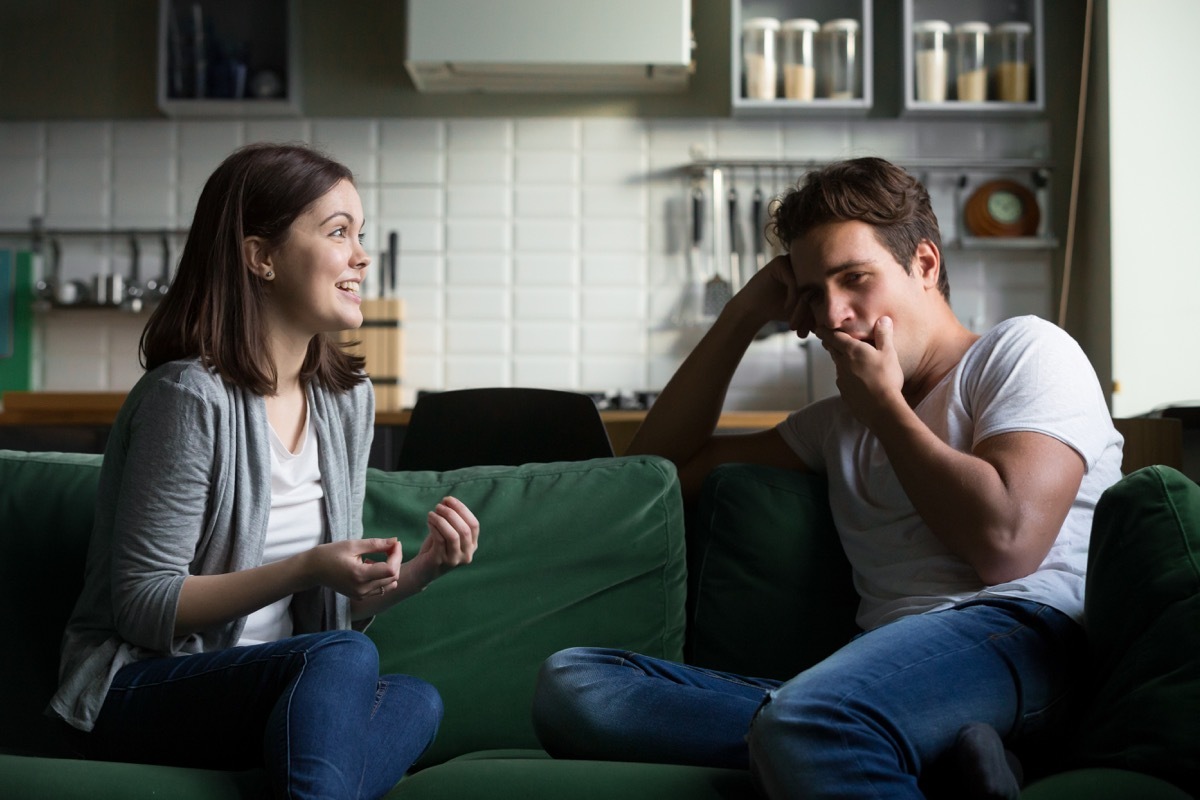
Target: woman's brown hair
[214,309]
[869,190]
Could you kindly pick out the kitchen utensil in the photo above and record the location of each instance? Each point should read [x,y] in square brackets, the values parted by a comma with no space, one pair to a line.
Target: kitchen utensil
[717,291]
[108,289]
[735,241]
[132,301]
[759,223]
[156,288]
[763,212]
[693,299]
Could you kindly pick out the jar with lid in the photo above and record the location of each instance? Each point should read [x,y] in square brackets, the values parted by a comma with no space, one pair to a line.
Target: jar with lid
[1012,68]
[799,58]
[932,59]
[840,64]
[971,40]
[760,66]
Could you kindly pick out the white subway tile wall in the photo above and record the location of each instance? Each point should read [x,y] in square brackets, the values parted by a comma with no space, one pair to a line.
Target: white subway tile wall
[549,252]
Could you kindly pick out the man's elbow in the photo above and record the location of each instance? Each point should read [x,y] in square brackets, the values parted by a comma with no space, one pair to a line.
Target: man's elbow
[1006,566]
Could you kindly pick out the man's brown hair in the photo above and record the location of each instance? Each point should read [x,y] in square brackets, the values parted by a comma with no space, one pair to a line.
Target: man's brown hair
[869,190]
[214,309]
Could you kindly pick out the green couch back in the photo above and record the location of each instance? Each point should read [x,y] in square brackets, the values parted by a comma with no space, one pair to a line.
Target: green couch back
[570,554]
[578,553]
[771,591]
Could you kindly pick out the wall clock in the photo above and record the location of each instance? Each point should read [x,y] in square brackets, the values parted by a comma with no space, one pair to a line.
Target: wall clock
[1002,208]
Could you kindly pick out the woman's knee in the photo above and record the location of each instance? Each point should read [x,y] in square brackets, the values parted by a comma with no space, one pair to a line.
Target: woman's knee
[424,695]
[348,650]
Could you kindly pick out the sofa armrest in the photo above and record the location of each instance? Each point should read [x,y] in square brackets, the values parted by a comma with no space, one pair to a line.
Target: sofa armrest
[770,589]
[1143,621]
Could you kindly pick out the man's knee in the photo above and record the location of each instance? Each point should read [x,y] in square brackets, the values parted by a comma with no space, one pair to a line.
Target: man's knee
[796,719]
[559,711]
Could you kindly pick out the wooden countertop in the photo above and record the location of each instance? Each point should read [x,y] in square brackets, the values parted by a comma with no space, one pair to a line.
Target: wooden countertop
[100,408]
[1147,440]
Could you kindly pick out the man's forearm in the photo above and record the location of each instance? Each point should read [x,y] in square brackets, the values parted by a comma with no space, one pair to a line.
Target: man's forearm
[687,410]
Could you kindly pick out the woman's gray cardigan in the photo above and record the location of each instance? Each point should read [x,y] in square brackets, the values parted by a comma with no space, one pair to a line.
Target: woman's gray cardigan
[185,489]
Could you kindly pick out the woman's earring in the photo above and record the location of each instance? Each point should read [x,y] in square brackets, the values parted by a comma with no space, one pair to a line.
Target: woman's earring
[270,275]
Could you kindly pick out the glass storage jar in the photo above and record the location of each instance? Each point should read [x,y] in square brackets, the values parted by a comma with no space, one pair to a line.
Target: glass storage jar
[1012,67]
[840,67]
[931,67]
[799,58]
[760,65]
[971,78]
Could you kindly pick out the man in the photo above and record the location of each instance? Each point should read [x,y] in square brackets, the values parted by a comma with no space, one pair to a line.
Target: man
[963,471]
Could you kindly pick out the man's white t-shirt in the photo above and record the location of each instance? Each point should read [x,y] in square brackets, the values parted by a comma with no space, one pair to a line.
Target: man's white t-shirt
[1026,374]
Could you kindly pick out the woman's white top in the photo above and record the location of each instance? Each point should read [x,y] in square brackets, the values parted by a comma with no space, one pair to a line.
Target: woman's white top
[296,524]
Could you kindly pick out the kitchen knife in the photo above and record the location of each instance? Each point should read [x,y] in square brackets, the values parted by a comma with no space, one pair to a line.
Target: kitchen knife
[760,224]
[693,302]
[735,241]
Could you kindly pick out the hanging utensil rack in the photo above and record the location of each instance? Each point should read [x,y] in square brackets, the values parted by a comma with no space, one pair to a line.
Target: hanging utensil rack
[1034,171]
[133,295]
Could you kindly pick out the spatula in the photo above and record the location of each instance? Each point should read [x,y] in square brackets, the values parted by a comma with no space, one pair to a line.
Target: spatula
[717,291]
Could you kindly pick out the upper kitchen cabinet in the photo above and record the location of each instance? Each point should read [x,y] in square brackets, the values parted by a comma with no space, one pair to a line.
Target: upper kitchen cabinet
[541,46]
[973,57]
[228,58]
[801,57]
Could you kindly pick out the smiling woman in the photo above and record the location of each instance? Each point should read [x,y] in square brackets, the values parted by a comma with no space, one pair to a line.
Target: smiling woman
[228,570]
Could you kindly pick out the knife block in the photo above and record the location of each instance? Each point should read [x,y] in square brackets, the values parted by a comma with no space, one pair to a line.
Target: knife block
[380,341]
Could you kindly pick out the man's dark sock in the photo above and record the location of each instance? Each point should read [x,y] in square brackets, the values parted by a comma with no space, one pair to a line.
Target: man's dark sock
[986,770]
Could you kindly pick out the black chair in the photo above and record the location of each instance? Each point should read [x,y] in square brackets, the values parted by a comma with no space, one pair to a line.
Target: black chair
[509,426]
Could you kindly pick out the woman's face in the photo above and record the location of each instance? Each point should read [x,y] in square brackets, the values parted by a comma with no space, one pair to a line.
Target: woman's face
[319,268]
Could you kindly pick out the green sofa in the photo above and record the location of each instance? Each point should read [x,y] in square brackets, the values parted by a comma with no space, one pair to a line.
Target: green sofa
[598,553]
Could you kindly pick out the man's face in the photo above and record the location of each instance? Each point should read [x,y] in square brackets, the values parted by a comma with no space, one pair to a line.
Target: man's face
[846,280]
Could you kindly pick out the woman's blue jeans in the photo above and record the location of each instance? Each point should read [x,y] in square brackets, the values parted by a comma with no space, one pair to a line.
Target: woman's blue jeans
[863,723]
[312,709]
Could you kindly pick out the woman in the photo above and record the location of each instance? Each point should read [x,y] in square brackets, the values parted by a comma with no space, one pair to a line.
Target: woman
[227,574]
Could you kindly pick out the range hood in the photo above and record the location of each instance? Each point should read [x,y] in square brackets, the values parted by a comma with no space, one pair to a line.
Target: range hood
[549,45]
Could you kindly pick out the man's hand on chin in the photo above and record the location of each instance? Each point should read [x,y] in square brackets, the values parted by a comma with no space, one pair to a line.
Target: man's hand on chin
[868,368]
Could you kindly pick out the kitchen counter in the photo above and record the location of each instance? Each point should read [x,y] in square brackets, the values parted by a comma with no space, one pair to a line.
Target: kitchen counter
[1148,440]
[100,408]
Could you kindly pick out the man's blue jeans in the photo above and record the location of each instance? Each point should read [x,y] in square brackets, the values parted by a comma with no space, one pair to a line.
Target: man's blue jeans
[863,723]
[312,709]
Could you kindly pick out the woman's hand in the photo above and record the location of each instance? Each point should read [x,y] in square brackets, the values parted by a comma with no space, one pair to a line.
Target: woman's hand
[452,540]
[343,566]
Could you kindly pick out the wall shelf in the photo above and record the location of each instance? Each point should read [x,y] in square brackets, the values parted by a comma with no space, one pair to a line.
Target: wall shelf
[821,11]
[993,12]
[222,58]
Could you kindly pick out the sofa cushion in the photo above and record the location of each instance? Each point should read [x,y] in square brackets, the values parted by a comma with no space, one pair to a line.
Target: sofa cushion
[771,589]
[509,775]
[1103,784]
[46,504]
[571,553]
[60,778]
[1143,618]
